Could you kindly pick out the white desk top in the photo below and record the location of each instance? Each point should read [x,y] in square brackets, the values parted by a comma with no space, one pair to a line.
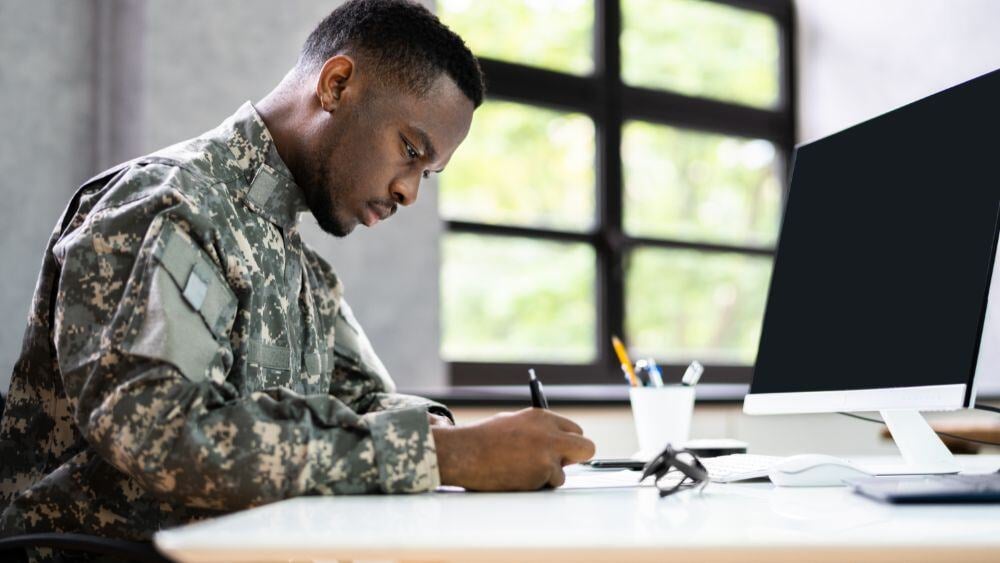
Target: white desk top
[748,521]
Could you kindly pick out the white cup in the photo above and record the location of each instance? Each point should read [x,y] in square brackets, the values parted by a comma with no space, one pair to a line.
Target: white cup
[662,415]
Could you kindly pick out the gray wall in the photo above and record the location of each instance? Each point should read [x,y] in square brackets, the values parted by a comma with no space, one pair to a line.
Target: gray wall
[858,59]
[46,149]
[158,72]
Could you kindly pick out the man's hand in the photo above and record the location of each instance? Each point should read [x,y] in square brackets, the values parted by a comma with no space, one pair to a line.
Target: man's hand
[520,451]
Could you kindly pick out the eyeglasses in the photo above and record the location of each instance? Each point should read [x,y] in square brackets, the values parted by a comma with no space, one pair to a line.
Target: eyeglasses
[671,460]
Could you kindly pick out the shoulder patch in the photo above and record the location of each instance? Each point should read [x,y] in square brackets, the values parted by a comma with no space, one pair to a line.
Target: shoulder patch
[188,309]
[199,280]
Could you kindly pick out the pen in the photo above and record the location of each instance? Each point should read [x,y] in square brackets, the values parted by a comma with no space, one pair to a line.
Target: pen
[655,376]
[538,399]
[642,373]
[648,373]
[693,373]
[626,363]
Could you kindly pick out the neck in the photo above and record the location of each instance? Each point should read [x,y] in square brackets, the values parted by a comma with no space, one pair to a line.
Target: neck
[282,114]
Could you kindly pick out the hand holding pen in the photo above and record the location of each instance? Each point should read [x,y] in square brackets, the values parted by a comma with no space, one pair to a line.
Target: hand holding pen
[538,399]
[518,451]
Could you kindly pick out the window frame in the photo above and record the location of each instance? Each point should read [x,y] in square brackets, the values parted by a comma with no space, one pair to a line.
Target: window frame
[609,102]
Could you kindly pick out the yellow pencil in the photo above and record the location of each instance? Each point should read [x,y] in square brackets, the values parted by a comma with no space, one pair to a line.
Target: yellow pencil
[623,358]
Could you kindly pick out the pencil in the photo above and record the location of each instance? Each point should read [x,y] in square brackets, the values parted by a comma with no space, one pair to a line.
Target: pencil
[623,358]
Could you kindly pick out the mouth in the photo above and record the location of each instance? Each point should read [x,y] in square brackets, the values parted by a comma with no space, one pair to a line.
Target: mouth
[374,213]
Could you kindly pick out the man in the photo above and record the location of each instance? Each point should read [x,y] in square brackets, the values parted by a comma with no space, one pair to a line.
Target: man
[187,355]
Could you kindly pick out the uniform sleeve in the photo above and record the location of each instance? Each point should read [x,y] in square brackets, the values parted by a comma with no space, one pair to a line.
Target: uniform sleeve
[361,377]
[143,317]
[376,402]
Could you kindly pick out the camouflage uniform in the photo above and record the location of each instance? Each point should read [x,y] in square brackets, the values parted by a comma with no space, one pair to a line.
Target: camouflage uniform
[186,354]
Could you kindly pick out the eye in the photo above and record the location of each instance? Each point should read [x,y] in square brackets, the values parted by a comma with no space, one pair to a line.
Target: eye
[411,152]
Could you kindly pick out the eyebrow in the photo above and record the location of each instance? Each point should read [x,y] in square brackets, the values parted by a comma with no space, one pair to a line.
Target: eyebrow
[425,140]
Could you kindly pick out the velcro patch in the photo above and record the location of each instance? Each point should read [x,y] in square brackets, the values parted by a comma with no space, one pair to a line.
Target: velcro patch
[195,289]
[199,280]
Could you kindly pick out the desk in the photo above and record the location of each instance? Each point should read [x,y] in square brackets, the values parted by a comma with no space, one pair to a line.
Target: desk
[988,431]
[746,522]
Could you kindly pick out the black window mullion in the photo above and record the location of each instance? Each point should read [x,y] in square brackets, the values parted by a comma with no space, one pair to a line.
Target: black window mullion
[659,106]
[520,231]
[789,95]
[515,373]
[568,92]
[634,242]
[539,87]
[611,274]
[595,238]
[775,8]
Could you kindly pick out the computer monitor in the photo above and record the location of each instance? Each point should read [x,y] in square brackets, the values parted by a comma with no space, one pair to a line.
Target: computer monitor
[883,294]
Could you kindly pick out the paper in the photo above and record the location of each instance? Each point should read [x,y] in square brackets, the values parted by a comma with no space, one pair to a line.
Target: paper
[581,477]
[604,480]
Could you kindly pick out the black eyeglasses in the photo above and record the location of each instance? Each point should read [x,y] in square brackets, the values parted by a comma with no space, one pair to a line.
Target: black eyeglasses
[671,460]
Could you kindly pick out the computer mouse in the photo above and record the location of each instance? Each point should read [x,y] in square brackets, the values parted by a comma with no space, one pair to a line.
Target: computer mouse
[813,470]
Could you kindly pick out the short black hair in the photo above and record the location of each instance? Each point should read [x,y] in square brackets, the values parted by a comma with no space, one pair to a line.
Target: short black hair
[407,44]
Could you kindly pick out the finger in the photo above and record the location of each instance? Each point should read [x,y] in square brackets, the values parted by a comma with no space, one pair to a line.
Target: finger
[565,424]
[574,448]
[557,478]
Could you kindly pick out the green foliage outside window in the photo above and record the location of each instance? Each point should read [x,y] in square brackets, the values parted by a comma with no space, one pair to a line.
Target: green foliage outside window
[523,166]
[701,49]
[517,299]
[688,185]
[551,34]
[682,305]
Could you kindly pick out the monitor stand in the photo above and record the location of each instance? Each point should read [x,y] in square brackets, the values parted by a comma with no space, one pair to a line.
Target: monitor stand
[923,451]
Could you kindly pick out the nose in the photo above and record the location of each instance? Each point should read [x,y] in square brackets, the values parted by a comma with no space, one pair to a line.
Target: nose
[404,190]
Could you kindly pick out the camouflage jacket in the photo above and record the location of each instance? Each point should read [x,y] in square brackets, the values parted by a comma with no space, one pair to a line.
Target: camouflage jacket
[186,354]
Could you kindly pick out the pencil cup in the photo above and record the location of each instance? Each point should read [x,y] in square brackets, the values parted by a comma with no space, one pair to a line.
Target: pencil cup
[662,415]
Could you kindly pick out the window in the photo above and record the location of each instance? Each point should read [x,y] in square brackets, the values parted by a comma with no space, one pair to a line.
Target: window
[624,176]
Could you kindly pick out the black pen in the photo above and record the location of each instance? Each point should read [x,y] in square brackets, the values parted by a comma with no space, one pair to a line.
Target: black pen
[537,396]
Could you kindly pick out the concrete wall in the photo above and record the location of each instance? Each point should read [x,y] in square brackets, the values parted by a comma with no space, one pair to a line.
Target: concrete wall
[84,85]
[858,59]
[46,148]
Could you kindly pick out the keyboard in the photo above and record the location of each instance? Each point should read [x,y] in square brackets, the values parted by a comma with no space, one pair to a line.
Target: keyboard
[738,467]
[930,488]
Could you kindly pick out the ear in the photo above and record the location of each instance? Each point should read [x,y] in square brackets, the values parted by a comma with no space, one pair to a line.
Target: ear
[333,78]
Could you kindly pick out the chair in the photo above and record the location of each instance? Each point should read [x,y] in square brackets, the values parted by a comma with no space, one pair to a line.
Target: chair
[12,548]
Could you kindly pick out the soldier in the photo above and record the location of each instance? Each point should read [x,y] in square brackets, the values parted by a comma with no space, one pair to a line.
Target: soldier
[188,355]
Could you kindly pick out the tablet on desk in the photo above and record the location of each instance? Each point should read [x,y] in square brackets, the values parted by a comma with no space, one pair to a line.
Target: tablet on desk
[616,463]
[703,448]
[923,489]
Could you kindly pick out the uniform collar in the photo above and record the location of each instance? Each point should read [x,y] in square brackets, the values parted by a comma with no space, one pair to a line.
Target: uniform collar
[269,190]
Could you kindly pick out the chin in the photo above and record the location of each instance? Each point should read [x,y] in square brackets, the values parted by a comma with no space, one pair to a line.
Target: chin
[340,231]
[335,227]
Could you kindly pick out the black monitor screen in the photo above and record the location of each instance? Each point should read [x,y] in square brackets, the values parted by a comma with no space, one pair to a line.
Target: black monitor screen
[886,250]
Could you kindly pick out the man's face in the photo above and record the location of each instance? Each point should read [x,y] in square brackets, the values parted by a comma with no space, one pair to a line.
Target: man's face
[370,154]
